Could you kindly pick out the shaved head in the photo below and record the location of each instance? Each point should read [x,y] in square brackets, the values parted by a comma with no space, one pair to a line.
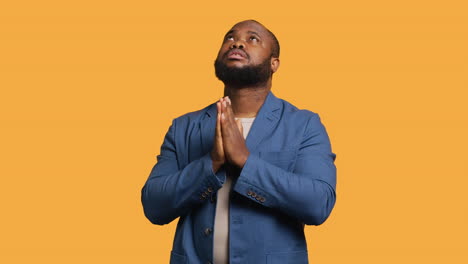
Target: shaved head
[275,47]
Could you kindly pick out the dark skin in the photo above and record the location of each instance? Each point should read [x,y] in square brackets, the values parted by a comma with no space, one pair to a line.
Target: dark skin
[247,43]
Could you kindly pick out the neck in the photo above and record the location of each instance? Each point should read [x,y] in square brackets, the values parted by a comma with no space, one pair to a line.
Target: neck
[247,101]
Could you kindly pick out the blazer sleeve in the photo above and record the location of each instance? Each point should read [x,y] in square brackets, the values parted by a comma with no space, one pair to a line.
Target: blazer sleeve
[308,192]
[170,191]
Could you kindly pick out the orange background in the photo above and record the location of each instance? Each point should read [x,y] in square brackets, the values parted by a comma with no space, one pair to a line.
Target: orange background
[89,88]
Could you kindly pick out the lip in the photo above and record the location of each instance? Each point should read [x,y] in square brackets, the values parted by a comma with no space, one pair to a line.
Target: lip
[236,54]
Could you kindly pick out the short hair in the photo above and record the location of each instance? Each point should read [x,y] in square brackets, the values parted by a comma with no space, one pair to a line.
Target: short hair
[275,49]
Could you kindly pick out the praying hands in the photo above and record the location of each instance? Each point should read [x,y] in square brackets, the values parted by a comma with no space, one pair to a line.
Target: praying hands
[229,143]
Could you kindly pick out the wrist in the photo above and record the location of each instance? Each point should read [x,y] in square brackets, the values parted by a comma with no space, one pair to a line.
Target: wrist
[243,160]
[216,165]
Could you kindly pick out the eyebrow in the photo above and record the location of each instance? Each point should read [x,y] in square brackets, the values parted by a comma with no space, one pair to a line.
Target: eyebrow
[250,32]
[254,33]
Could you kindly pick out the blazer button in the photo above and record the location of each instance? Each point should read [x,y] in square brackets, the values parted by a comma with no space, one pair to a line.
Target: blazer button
[203,195]
[254,195]
[208,231]
[262,199]
[249,193]
[258,198]
[210,189]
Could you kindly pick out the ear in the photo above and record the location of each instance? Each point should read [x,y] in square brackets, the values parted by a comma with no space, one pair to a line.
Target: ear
[275,63]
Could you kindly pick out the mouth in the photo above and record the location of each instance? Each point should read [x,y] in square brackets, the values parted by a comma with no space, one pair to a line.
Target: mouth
[236,54]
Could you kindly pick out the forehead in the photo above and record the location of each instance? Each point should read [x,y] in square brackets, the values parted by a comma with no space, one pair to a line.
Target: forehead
[249,26]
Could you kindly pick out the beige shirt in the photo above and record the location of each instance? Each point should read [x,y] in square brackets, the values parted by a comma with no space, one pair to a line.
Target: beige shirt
[221,223]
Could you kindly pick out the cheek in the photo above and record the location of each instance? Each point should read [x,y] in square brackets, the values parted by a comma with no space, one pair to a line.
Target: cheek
[222,51]
[259,57]
[220,54]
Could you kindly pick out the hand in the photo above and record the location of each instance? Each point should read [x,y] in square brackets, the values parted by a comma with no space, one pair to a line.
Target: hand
[235,150]
[217,153]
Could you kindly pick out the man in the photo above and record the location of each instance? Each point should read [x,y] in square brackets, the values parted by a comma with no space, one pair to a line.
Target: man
[243,199]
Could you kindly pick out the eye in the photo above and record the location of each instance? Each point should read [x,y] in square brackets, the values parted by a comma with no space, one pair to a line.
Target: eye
[229,38]
[253,38]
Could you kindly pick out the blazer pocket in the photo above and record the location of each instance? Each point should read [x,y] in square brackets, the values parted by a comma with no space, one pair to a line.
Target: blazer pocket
[177,258]
[296,257]
[282,159]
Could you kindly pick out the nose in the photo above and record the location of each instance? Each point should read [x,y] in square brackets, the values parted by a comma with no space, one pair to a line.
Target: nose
[238,44]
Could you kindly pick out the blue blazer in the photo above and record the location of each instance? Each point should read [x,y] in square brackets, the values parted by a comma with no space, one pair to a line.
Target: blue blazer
[288,180]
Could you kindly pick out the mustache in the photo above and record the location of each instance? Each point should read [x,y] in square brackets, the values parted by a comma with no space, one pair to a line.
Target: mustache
[244,53]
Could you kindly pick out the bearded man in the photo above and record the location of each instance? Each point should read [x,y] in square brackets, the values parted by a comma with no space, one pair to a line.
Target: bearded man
[246,173]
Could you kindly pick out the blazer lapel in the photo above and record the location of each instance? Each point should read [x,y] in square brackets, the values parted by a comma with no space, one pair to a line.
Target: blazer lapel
[207,128]
[267,117]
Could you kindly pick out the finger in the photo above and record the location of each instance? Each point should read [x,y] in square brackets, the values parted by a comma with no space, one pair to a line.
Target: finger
[229,125]
[218,120]
[223,110]
[219,106]
[239,126]
[225,106]
[219,136]
[223,118]
[221,103]
[230,112]
[227,116]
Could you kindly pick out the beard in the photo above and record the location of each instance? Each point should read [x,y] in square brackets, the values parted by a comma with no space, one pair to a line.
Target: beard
[255,75]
